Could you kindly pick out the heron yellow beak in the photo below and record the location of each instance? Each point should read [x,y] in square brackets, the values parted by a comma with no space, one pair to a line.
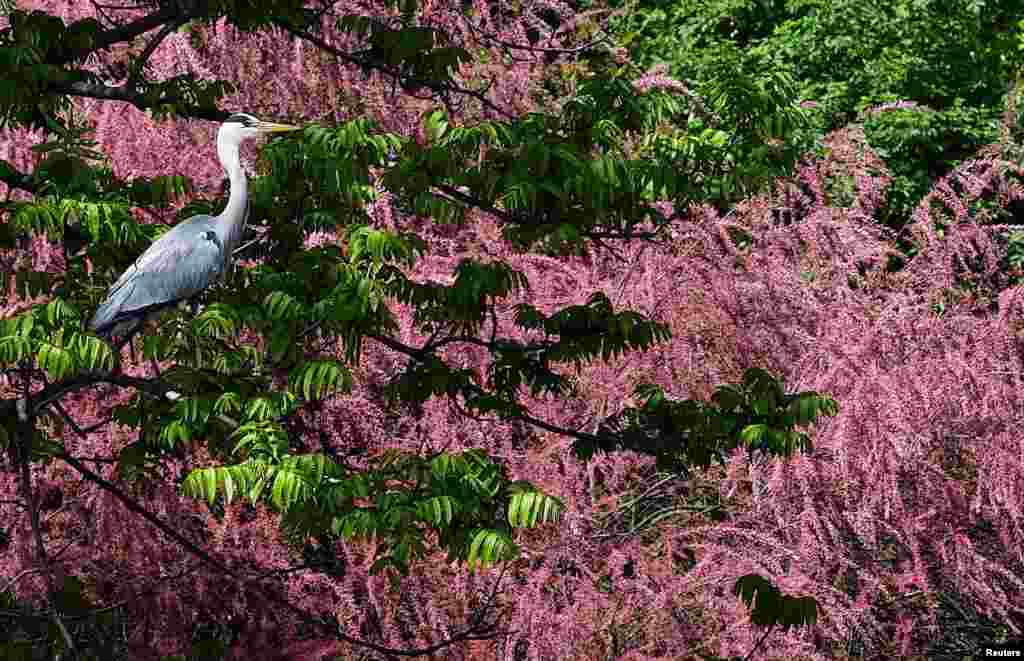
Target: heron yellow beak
[272,127]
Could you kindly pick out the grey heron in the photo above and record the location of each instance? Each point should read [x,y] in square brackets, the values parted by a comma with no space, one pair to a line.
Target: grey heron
[193,254]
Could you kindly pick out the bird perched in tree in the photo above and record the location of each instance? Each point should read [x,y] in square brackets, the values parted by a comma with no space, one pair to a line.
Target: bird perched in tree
[192,255]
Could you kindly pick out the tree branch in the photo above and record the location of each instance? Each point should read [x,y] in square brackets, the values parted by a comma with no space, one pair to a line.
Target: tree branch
[421,354]
[523,219]
[404,80]
[479,629]
[168,17]
[55,391]
[129,31]
[25,434]
[15,179]
[130,94]
[143,57]
[485,37]
[133,506]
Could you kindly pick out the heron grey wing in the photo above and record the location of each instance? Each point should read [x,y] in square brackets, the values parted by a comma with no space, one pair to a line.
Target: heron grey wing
[180,264]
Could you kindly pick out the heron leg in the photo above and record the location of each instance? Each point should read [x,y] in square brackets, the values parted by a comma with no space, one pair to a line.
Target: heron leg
[127,339]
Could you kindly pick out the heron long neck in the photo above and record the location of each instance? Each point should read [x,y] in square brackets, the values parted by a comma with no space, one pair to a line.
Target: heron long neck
[231,221]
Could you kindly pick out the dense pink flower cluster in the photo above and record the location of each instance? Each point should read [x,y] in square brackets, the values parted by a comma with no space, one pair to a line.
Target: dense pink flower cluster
[959,224]
[658,81]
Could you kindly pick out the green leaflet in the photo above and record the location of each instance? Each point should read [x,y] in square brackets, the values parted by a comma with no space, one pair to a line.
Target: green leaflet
[316,378]
[489,547]
[439,510]
[756,413]
[529,508]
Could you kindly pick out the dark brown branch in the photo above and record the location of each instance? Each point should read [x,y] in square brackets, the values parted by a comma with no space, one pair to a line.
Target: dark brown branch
[127,32]
[54,392]
[133,506]
[101,13]
[169,17]
[421,354]
[153,587]
[493,39]
[74,425]
[144,56]
[430,347]
[25,434]
[129,94]
[479,629]
[404,80]
[15,179]
[522,219]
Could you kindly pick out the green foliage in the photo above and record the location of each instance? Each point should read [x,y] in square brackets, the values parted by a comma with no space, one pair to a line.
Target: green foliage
[556,183]
[756,414]
[757,130]
[423,53]
[527,507]
[38,58]
[399,500]
[921,145]
[463,306]
[314,379]
[844,53]
[375,247]
[756,59]
[592,330]
[771,608]
[768,131]
[46,336]
[326,173]
[551,190]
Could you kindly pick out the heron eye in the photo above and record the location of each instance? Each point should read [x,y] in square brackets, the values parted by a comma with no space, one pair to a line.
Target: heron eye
[210,235]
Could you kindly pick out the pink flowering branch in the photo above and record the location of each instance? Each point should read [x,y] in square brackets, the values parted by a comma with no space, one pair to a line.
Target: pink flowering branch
[482,625]
[408,83]
[896,105]
[519,218]
[657,79]
[481,629]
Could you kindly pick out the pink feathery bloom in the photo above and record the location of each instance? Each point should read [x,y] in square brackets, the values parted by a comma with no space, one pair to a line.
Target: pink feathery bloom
[650,82]
[317,239]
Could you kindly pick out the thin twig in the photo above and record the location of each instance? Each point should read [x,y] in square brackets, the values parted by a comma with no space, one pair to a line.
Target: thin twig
[25,435]
[143,58]
[405,81]
[491,38]
[22,574]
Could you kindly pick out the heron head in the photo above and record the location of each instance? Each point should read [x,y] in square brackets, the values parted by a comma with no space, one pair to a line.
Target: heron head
[242,126]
